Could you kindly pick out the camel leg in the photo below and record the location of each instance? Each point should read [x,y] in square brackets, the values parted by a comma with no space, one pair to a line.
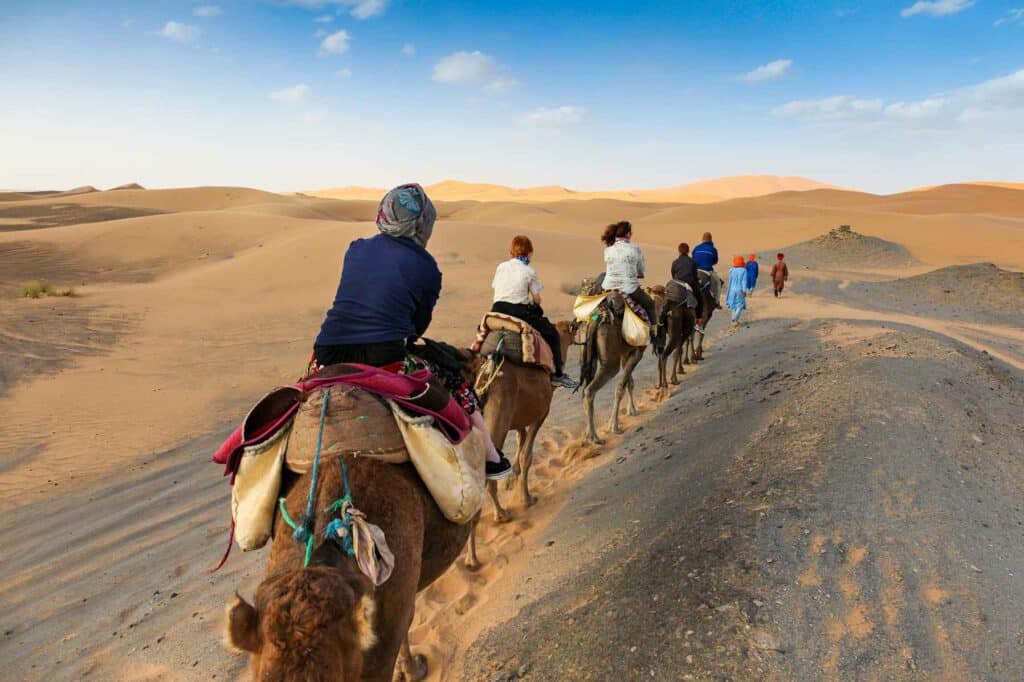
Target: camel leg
[624,388]
[604,374]
[529,434]
[631,408]
[510,482]
[663,370]
[501,515]
[472,560]
[410,668]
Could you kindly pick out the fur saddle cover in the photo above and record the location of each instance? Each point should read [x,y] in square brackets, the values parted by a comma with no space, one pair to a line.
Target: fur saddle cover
[514,339]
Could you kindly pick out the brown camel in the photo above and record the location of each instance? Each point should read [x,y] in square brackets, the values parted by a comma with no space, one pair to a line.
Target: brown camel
[607,354]
[519,400]
[678,329]
[327,622]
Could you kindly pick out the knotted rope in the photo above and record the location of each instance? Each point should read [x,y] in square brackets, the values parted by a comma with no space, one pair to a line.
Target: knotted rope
[486,377]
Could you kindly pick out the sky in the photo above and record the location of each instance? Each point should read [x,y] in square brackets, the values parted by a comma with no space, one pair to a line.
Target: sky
[303,94]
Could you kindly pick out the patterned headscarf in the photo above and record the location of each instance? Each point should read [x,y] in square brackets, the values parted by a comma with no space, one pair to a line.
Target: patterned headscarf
[407,212]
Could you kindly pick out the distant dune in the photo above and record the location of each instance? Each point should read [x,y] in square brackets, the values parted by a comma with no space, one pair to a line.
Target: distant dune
[700,192]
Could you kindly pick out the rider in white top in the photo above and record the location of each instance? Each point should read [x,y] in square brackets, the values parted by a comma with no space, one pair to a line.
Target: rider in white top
[516,282]
[625,267]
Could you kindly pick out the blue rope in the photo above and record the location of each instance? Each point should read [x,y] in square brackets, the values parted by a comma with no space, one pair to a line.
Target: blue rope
[304,529]
[340,529]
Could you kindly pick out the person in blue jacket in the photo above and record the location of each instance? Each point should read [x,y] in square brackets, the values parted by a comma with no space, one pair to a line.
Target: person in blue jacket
[736,297]
[752,269]
[706,256]
[389,286]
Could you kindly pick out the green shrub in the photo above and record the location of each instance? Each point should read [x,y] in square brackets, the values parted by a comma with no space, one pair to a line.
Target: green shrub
[39,289]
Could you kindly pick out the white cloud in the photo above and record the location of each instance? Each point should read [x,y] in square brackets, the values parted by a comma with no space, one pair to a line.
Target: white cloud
[368,8]
[315,116]
[409,49]
[207,11]
[971,103]
[474,69]
[361,9]
[182,33]
[320,33]
[554,117]
[324,19]
[336,43]
[501,85]
[767,72]
[293,94]
[829,108]
[344,73]
[936,8]
[1014,16]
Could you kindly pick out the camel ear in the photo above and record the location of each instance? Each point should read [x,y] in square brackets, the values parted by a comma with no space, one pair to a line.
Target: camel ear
[243,626]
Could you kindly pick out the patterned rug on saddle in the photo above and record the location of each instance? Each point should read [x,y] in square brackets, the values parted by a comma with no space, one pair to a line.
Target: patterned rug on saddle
[514,339]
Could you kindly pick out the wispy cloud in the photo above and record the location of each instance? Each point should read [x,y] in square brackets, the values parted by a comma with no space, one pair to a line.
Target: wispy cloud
[936,8]
[360,9]
[960,106]
[295,93]
[207,11]
[409,49]
[343,73]
[474,69]
[830,108]
[554,117]
[767,72]
[315,116]
[324,19]
[177,31]
[1014,16]
[336,43]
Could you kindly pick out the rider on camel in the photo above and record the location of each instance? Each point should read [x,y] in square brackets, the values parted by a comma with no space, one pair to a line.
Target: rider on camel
[385,299]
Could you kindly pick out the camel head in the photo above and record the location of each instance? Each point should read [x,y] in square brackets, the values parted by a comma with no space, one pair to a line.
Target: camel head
[309,624]
[566,334]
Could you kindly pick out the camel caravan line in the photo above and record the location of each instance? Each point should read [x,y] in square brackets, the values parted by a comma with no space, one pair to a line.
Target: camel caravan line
[369,484]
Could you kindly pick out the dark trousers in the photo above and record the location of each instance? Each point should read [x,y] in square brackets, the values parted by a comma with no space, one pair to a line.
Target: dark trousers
[533,315]
[374,354]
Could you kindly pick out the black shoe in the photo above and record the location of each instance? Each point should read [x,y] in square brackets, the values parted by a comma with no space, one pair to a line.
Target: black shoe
[564,381]
[498,470]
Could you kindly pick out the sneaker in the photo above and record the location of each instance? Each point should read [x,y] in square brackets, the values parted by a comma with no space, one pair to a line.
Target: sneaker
[500,469]
[564,381]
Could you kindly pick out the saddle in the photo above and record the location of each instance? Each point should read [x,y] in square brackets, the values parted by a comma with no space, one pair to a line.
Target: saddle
[680,293]
[418,393]
[514,339]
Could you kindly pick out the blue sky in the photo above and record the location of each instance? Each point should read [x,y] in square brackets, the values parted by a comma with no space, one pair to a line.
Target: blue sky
[282,95]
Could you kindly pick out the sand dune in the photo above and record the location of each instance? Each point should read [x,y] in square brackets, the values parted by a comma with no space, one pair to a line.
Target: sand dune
[703,191]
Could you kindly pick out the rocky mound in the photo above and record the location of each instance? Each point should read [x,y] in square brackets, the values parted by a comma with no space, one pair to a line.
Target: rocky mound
[980,292]
[843,248]
[130,185]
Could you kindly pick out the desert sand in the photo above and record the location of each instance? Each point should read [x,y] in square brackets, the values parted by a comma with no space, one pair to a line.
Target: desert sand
[190,303]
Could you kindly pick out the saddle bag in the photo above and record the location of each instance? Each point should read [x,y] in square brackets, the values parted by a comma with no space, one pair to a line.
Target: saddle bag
[254,494]
[453,473]
[635,331]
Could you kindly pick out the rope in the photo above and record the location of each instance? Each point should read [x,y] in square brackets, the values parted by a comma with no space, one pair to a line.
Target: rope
[340,529]
[481,388]
[303,530]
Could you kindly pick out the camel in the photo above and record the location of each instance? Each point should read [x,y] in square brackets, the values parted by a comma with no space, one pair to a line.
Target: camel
[695,344]
[679,323]
[327,622]
[519,400]
[607,354]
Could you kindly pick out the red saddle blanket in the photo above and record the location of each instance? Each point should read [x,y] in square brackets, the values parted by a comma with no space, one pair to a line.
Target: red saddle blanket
[417,392]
